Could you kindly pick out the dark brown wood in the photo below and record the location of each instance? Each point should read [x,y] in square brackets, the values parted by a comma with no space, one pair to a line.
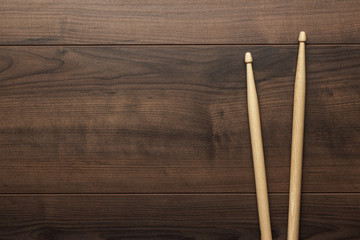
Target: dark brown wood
[128,119]
[105,134]
[178,21]
[157,119]
[204,216]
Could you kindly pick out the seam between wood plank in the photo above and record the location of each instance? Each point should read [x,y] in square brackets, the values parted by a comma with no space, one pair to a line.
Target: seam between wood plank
[178,194]
[170,44]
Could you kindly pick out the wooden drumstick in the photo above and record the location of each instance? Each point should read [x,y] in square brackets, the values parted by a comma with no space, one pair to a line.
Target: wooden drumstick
[257,152]
[297,143]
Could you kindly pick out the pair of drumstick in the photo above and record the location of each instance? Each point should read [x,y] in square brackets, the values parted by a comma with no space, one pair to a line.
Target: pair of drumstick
[296,147]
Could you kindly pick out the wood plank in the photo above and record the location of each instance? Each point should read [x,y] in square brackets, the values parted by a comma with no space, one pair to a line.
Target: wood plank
[145,119]
[198,216]
[177,22]
[94,178]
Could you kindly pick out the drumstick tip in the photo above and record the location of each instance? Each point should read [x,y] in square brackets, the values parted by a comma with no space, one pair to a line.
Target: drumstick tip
[302,36]
[248,57]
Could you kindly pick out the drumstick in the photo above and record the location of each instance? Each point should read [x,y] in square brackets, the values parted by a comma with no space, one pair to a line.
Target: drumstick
[297,143]
[257,152]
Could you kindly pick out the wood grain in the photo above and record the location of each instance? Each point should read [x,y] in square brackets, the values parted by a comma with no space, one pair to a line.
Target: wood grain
[105,134]
[38,22]
[198,216]
[142,119]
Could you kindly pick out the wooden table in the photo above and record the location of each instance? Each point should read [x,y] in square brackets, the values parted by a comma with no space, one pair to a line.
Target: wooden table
[128,119]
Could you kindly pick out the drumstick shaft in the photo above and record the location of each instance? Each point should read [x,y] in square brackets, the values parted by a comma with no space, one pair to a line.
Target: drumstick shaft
[257,152]
[297,143]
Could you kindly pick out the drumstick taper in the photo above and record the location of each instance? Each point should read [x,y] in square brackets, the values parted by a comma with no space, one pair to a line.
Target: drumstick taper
[297,143]
[257,152]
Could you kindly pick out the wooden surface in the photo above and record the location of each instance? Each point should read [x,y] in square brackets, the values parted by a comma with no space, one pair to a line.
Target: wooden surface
[179,216]
[177,21]
[128,120]
[172,119]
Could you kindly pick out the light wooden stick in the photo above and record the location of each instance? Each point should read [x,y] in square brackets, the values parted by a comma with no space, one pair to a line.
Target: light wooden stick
[257,152]
[297,143]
